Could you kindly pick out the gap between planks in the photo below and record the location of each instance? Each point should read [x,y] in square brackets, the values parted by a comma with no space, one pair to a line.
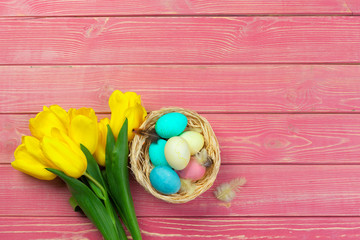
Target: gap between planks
[185,15]
[214,64]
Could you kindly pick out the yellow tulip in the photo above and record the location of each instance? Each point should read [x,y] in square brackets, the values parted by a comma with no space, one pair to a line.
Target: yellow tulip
[133,98]
[118,104]
[64,154]
[83,127]
[135,115]
[30,159]
[126,105]
[51,117]
[100,150]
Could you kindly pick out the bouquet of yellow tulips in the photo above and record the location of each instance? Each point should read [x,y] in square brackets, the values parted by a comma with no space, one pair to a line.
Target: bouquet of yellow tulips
[72,145]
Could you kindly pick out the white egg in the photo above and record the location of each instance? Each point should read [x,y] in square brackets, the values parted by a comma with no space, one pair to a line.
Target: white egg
[195,141]
[177,153]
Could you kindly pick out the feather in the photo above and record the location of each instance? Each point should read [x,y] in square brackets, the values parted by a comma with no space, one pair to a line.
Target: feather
[203,158]
[187,186]
[149,134]
[227,191]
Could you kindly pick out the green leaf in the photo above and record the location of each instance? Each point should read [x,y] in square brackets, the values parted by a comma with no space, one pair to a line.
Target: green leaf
[118,181]
[74,204]
[94,171]
[110,143]
[91,205]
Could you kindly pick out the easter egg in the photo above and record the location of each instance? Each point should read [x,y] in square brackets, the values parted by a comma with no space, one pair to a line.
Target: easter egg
[156,153]
[194,170]
[165,180]
[195,141]
[177,153]
[170,125]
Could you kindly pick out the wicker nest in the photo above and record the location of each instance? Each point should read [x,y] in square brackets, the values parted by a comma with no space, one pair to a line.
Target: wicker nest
[141,165]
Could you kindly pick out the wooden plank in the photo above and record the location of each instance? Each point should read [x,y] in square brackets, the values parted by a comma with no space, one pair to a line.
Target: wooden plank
[353,5]
[35,228]
[271,190]
[179,40]
[251,138]
[205,88]
[179,7]
[31,228]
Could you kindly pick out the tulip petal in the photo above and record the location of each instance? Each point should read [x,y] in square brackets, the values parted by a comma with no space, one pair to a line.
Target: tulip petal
[118,101]
[64,155]
[60,113]
[118,104]
[29,164]
[135,115]
[44,121]
[85,131]
[100,150]
[88,112]
[32,146]
[68,141]
[133,99]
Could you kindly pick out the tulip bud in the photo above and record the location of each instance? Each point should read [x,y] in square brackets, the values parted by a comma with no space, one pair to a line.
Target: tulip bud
[30,159]
[83,128]
[100,150]
[126,105]
[49,118]
[64,154]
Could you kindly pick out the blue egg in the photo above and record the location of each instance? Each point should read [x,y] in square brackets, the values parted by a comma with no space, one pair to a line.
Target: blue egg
[165,180]
[171,124]
[156,153]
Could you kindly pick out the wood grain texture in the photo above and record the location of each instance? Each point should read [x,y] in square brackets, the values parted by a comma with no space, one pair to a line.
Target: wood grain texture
[205,88]
[353,5]
[35,228]
[251,138]
[76,228]
[178,7]
[250,67]
[271,190]
[180,40]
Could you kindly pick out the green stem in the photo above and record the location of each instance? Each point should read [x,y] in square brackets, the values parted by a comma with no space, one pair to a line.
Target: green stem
[96,183]
[106,197]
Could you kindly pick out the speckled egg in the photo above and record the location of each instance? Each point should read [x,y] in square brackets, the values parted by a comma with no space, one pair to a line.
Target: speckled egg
[177,153]
[194,139]
[165,180]
[157,154]
[193,170]
[171,124]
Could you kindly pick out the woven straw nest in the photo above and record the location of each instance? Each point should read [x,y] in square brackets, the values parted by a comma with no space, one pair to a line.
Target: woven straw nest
[141,165]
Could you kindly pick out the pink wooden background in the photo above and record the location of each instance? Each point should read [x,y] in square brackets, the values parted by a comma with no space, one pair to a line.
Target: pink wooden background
[278,80]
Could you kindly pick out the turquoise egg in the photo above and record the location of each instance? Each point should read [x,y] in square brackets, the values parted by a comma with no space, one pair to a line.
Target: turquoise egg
[165,180]
[156,153]
[171,124]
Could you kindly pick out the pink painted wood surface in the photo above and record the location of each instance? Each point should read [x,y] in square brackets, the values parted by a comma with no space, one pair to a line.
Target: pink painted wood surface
[302,169]
[178,7]
[251,138]
[271,190]
[180,40]
[69,228]
[353,5]
[219,88]
[35,228]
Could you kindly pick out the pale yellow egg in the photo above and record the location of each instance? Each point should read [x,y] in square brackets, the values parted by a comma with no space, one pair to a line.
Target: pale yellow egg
[195,141]
[177,153]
